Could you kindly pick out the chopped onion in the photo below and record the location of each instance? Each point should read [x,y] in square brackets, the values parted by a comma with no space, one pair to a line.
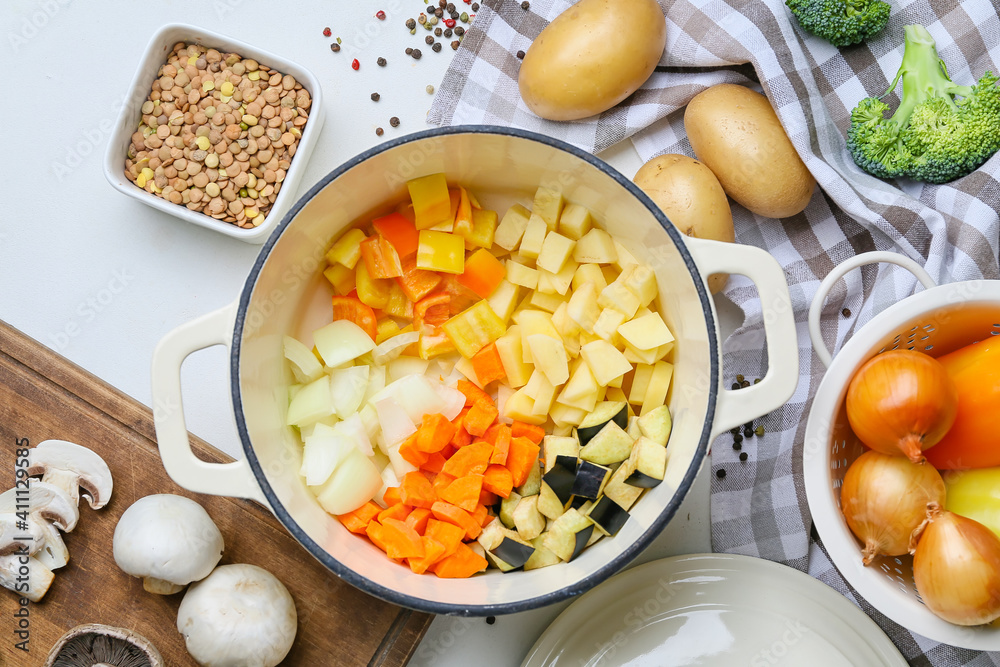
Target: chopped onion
[370,419]
[353,429]
[305,365]
[321,456]
[402,366]
[341,341]
[312,403]
[376,382]
[416,395]
[347,389]
[956,568]
[389,479]
[395,422]
[352,484]
[392,348]
[399,465]
[885,500]
[454,400]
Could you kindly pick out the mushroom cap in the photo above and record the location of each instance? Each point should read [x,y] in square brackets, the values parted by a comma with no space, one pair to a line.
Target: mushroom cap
[87,470]
[239,616]
[92,644]
[46,500]
[167,537]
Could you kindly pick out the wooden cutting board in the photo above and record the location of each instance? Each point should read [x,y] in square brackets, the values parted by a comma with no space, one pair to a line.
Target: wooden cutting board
[43,396]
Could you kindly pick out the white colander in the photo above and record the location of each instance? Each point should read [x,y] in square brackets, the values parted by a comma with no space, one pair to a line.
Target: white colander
[937,320]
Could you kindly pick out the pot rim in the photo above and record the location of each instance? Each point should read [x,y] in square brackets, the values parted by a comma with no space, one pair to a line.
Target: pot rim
[600,574]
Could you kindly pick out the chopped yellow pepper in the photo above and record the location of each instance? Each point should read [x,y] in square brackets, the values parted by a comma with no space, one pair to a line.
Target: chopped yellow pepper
[341,277]
[347,249]
[440,251]
[431,201]
[372,291]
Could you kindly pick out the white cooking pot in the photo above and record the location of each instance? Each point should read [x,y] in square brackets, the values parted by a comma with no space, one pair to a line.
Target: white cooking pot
[286,293]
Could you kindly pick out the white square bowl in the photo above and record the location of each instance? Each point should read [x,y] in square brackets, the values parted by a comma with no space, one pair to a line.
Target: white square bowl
[155,56]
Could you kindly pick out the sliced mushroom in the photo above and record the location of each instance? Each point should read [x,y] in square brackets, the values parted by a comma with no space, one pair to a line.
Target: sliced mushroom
[18,571]
[46,500]
[95,645]
[52,551]
[72,467]
[17,535]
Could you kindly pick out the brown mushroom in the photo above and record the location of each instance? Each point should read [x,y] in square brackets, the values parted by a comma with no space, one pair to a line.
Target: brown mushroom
[96,645]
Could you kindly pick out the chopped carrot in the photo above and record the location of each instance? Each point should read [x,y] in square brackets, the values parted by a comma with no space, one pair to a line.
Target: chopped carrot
[401,540]
[448,451]
[447,512]
[502,444]
[351,308]
[416,491]
[522,455]
[470,460]
[417,519]
[358,520]
[408,450]
[434,434]
[480,418]
[446,533]
[488,498]
[435,462]
[462,564]
[491,434]
[391,496]
[488,365]
[417,283]
[380,258]
[529,431]
[481,516]
[483,272]
[474,394]
[433,551]
[375,534]
[464,492]
[441,482]
[498,480]
[461,437]
[399,512]
[398,231]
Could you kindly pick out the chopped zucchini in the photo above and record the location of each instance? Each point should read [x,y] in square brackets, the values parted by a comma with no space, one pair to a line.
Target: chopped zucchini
[608,515]
[549,504]
[554,446]
[531,485]
[590,480]
[650,463]
[542,556]
[656,425]
[561,476]
[616,411]
[569,535]
[507,508]
[610,445]
[527,519]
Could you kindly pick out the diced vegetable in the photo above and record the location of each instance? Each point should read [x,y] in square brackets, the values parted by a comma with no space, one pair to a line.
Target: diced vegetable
[522,275]
[602,414]
[513,551]
[650,464]
[605,361]
[560,477]
[347,250]
[474,328]
[396,425]
[554,446]
[441,251]
[595,247]
[463,563]
[624,495]
[534,237]
[555,250]
[431,200]
[321,455]
[511,229]
[371,291]
[608,516]
[416,283]
[399,231]
[488,365]
[353,483]
[606,326]
[611,445]
[341,277]
[550,357]
[590,480]
[504,299]
[305,366]
[484,225]
[380,258]
[527,519]
[311,403]
[550,505]
[358,520]
[619,297]
[548,205]
[569,534]
[583,308]
[483,273]
[463,214]
[659,385]
[522,456]
[656,425]
[542,556]
[575,221]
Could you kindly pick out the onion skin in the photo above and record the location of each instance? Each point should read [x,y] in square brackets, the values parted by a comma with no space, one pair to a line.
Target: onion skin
[901,402]
[956,568]
[885,501]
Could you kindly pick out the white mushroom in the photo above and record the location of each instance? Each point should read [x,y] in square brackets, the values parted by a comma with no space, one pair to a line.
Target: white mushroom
[240,616]
[72,467]
[169,541]
[25,575]
[48,501]
[19,536]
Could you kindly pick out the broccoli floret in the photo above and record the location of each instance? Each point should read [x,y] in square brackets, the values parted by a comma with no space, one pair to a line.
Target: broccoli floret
[841,22]
[941,131]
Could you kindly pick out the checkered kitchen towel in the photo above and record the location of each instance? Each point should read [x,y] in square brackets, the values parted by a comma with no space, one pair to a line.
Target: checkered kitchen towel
[760,508]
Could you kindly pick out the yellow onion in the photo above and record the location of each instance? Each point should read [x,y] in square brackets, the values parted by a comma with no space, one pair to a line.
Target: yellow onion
[901,402]
[885,501]
[956,567]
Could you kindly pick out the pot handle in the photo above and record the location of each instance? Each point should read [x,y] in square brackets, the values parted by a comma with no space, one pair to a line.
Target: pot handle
[778,384]
[839,271]
[233,479]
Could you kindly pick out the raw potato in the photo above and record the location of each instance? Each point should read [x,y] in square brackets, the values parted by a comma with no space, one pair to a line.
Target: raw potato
[691,196]
[736,133]
[591,57]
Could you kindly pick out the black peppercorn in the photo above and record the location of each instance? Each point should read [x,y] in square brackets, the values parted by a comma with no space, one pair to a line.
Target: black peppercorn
[381,62]
[735,386]
[436,48]
[411,24]
[737,446]
[335,47]
[428,40]
[375,97]
[409,51]
[744,456]
[525,5]
[846,312]
[439,12]
[737,438]
[416,54]
[475,6]
[520,55]
[747,432]
[450,6]
[394,121]
[490,620]
[454,45]
[720,473]
[447,32]
[455,15]
[442,3]
[437,32]
[379,131]
[459,31]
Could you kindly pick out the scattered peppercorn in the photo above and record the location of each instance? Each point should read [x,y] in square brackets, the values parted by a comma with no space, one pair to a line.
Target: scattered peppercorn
[490,620]
[409,51]
[757,381]
[411,24]
[520,55]
[846,312]
[380,15]
[744,384]
[475,6]
[394,121]
[759,431]
[737,438]
[379,131]
[450,7]
[740,378]
[439,12]
[720,473]
[375,97]
[422,19]
[434,20]
[525,5]
[454,15]
[335,47]
[355,64]
[447,32]
[436,48]
[416,54]
[459,31]
[428,40]
[381,62]
[464,18]
[450,23]
[735,431]
[744,456]
[442,3]
[429,89]
[327,32]
[437,32]
[454,45]
[747,432]
[737,446]
[735,386]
